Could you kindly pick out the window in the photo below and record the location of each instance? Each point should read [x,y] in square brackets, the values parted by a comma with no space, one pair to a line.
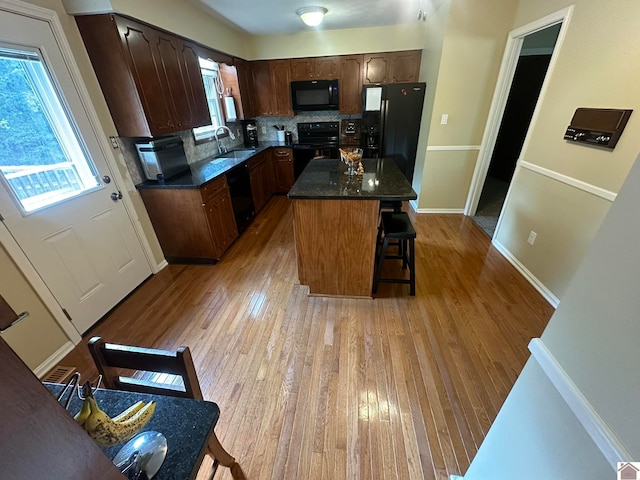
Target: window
[42,160]
[213,88]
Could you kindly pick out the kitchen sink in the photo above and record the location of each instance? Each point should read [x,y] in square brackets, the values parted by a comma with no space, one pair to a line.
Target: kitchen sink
[238,153]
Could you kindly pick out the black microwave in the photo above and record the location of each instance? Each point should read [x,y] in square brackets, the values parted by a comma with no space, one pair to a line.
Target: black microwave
[313,95]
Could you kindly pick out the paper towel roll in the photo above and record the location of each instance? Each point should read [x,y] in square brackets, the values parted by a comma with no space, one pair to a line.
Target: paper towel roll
[230,109]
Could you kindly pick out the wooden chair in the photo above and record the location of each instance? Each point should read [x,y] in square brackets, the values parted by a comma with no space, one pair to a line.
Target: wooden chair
[111,358]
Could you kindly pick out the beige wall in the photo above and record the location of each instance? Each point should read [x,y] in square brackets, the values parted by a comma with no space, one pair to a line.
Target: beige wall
[38,336]
[435,28]
[187,19]
[474,42]
[339,42]
[564,216]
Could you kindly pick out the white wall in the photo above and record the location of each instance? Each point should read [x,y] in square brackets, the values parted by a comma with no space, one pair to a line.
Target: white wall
[594,337]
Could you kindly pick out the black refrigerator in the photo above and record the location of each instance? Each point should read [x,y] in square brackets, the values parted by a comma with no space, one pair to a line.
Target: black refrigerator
[391,122]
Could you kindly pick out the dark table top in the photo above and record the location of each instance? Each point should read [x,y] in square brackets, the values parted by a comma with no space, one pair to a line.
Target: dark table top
[185,423]
[324,179]
[211,167]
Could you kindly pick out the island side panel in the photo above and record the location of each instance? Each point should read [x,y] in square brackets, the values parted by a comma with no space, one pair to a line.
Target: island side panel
[335,245]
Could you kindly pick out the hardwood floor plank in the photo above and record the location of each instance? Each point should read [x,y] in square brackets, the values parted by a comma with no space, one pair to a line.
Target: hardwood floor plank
[395,387]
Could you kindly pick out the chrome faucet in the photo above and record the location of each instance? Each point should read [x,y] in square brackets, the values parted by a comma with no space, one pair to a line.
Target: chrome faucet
[221,148]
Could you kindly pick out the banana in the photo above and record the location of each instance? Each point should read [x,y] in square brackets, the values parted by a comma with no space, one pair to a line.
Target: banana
[129,412]
[84,412]
[106,432]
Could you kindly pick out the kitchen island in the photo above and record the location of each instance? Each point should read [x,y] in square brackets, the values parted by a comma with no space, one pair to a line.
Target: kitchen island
[335,220]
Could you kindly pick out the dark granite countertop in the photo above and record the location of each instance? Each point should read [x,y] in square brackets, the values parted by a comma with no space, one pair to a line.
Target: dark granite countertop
[324,179]
[184,422]
[211,167]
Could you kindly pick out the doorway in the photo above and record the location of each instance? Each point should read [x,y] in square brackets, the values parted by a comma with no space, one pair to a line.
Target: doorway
[58,199]
[531,69]
[543,37]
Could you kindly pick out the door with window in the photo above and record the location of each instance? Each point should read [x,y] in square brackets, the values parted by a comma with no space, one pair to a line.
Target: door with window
[57,198]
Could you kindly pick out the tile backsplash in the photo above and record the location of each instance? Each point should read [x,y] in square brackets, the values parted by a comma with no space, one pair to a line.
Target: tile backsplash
[290,123]
[195,153]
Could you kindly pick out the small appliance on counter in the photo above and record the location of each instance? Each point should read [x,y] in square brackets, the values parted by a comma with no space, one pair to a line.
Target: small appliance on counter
[288,138]
[250,133]
[350,133]
[162,158]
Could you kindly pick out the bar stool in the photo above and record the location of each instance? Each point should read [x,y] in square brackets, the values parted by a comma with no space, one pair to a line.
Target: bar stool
[396,226]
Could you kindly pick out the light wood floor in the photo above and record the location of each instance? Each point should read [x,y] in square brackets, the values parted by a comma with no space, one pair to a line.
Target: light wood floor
[398,387]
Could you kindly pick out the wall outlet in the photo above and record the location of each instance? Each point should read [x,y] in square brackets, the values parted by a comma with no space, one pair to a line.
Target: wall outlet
[444,119]
[264,130]
[114,142]
[532,237]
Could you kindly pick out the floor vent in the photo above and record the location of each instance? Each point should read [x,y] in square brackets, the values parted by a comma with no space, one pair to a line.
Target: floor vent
[60,374]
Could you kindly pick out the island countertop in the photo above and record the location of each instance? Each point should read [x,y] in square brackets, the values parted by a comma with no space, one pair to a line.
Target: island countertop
[324,179]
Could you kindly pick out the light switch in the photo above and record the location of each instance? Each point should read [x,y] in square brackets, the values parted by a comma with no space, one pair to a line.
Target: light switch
[444,119]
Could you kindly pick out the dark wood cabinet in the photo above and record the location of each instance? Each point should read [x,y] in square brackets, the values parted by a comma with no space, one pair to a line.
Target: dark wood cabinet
[351,84]
[392,67]
[245,84]
[404,67]
[262,88]
[192,224]
[260,175]
[280,80]
[151,79]
[325,68]
[220,217]
[283,167]
[271,79]
[375,68]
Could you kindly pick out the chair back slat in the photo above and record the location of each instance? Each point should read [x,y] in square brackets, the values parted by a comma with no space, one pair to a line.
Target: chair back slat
[111,358]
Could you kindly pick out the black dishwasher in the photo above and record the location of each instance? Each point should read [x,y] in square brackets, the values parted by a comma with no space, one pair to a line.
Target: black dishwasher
[241,197]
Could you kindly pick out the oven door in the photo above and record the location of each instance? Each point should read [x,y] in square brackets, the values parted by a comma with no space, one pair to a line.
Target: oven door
[303,154]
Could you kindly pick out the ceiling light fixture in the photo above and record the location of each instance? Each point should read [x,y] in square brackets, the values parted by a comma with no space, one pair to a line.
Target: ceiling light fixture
[312,16]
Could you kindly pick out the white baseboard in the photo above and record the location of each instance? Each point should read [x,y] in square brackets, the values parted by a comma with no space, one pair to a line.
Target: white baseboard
[53,360]
[531,278]
[161,265]
[446,211]
[604,438]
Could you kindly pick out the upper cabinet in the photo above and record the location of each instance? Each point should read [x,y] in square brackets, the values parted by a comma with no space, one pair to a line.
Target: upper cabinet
[404,67]
[150,79]
[350,84]
[391,67]
[316,68]
[271,79]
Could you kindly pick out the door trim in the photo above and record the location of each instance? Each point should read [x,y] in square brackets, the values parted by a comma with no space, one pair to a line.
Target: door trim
[6,239]
[500,95]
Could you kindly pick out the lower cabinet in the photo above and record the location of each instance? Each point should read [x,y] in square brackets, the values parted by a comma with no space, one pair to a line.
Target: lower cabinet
[262,178]
[192,224]
[283,167]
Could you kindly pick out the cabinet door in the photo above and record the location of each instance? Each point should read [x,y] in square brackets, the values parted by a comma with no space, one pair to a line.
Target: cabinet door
[281,91]
[222,223]
[139,44]
[351,84]
[301,69]
[262,88]
[376,67]
[327,68]
[169,64]
[244,106]
[256,175]
[404,67]
[178,218]
[283,162]
[194,85]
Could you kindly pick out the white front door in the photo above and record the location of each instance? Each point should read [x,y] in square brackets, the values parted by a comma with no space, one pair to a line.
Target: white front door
[55,186]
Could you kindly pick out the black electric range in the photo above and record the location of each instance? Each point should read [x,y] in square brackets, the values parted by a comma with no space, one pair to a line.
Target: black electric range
[315,140]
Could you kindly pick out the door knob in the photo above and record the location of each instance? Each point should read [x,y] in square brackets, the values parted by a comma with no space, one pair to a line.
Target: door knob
[116,196]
